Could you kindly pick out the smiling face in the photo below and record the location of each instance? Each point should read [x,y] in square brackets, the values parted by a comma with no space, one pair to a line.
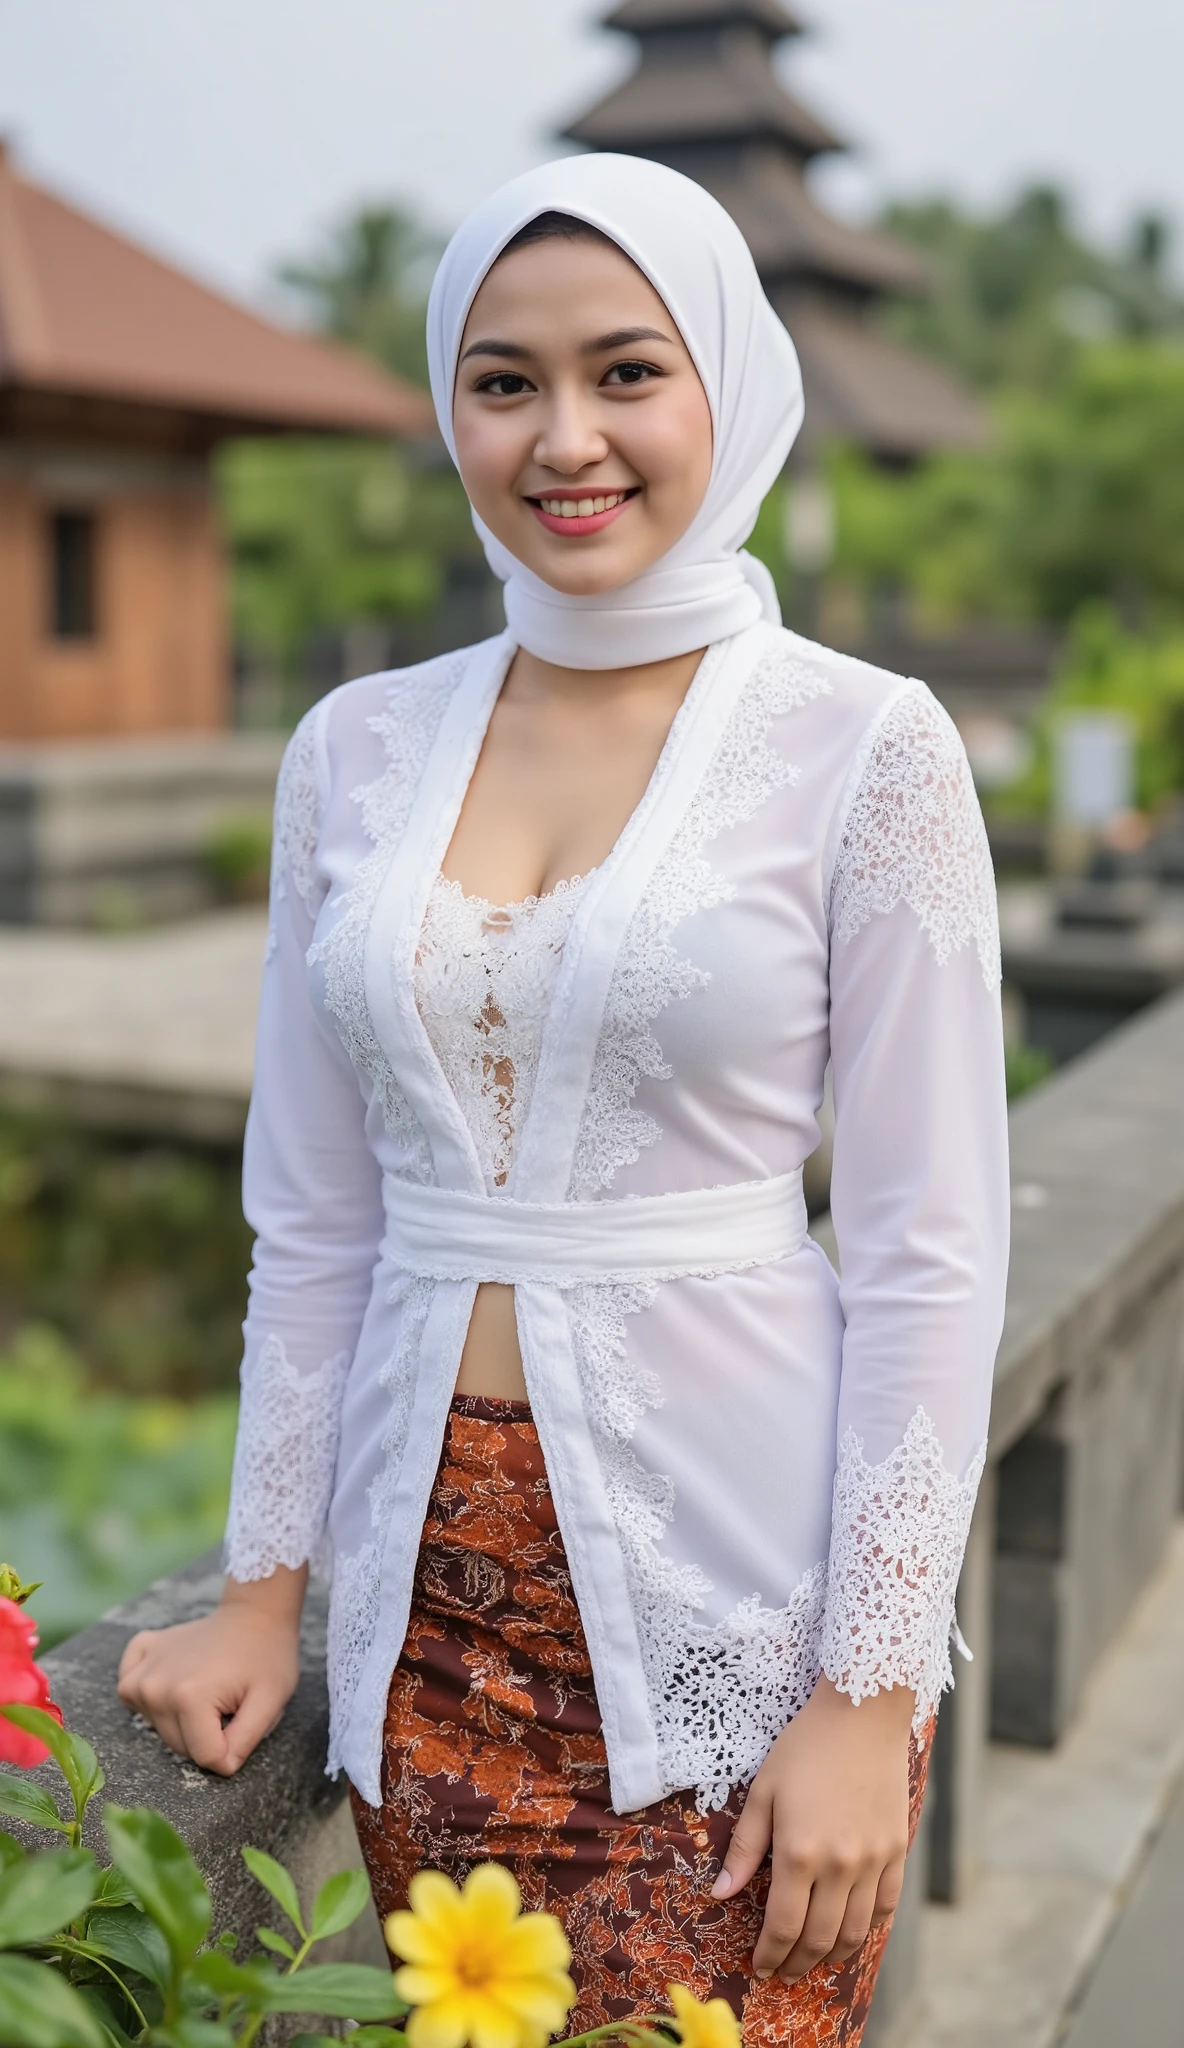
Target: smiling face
[583,433]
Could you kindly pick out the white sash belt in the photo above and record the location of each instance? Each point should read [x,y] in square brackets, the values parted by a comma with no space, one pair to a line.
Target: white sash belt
[443,1234]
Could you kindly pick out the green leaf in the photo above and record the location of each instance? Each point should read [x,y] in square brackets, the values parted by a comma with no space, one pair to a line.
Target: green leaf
[334,1990]
[42,1894]
[22,1799]
[339,1902]
[38,2009]
[352,1991]
[276,1880]
[10,1850]
[114,1890]
[72,1754]
[169,1884]
[275,1942]
[97,1996]
[193,2032]
[13,1587]
[125,1935]
[376,2037]
[215,1975]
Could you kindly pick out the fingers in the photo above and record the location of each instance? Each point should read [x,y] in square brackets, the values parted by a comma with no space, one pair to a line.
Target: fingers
[786,1908]
[186,1713]
[256,1717]
[856,1923]
[827,1920]
[135,1651]
[750,1841]
[889,1889]
[199,1718]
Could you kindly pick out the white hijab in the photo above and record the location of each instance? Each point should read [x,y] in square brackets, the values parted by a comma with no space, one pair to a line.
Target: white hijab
[703,588]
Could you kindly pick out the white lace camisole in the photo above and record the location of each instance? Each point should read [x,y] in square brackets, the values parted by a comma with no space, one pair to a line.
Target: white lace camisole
[484,975]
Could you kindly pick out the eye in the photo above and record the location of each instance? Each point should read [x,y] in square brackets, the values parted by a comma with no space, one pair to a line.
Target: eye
[631,373]
[504,384]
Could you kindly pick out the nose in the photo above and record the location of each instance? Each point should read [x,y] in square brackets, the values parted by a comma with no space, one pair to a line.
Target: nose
[569,438]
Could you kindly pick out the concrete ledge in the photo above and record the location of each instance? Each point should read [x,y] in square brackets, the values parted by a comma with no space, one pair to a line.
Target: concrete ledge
[146,1031]
[1066,1834]
[83,822]
[280,1801]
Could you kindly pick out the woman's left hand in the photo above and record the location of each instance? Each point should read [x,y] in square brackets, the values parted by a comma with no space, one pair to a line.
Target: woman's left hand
[832,1800]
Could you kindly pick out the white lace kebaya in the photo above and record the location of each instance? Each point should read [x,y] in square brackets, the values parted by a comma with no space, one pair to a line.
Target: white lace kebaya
[605,1097]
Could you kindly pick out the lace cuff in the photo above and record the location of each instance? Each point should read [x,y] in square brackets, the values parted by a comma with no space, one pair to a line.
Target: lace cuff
[284,1460]
[897,1537]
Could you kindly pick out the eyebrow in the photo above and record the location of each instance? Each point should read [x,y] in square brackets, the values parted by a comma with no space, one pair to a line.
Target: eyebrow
[513,352]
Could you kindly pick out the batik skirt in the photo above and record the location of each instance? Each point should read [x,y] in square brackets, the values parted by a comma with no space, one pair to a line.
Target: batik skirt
[493,1750]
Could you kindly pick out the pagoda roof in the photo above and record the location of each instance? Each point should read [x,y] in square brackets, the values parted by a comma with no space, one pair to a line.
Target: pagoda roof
[862,386]
[722,93]
[87,315]
[789,233]
[642,16]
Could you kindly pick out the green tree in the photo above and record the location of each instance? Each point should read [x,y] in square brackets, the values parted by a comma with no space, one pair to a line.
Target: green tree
[327,534]
[324,533]
[369,286]
[1016,296]
[1106,667]
[1080,497]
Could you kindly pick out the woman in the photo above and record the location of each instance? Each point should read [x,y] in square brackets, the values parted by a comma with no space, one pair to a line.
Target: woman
[645,1529]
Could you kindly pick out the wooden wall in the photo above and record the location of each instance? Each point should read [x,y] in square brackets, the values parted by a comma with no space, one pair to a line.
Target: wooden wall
[159,658]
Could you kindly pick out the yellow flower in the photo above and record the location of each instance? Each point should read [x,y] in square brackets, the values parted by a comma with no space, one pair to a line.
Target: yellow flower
[713,2025]
[477,1968]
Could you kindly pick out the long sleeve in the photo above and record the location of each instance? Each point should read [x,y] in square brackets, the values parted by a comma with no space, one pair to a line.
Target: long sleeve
[312,1193]
[919,1196]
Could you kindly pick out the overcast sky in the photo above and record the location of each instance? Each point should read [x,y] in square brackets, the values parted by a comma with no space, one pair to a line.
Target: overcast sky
[229,133]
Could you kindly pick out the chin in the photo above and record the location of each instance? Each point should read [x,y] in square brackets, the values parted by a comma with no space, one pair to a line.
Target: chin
[590,577]
[574,585]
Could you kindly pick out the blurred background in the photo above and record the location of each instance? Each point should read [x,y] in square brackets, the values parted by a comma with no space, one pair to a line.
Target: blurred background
[221,494]
[209,515]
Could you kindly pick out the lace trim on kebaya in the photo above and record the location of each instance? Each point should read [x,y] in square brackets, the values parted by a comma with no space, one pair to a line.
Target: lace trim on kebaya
[355,1599]
[297,825]
[484,977]
[650,974]
[416,703]
[898,1535]
[719,1695]
[284,1460]
[914,833]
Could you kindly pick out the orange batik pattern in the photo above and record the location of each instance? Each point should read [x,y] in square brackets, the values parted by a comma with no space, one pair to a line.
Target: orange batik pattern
[493,1750]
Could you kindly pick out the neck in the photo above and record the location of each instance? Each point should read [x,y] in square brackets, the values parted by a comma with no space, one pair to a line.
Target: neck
[534,681]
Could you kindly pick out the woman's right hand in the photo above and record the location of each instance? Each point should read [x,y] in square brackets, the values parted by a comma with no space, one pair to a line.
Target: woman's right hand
[213,1688]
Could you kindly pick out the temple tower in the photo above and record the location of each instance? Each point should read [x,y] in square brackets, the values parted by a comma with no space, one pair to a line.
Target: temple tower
[704,98]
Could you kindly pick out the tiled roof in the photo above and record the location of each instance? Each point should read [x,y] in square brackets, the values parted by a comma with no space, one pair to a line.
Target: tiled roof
[862,386]
[790,234]
[640,15]
[727,93]
[84,313]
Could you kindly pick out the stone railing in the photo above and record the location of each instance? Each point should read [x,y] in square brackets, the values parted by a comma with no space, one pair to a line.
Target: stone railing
[1082,1487]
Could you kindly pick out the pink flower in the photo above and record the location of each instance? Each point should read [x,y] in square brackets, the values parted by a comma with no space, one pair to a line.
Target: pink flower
[22,1683]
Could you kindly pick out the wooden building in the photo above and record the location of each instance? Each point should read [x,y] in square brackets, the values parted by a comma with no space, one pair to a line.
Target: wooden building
[705,99]
[118,376]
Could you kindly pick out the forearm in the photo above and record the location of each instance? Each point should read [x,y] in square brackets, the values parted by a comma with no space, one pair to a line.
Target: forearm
[280,1596]
[884,1716]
